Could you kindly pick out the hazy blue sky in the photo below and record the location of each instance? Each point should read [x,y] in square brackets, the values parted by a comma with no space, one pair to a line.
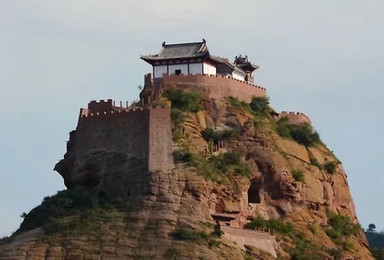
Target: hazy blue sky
[323,58]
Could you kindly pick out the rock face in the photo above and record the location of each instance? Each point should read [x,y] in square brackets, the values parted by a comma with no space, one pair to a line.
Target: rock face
[173,214]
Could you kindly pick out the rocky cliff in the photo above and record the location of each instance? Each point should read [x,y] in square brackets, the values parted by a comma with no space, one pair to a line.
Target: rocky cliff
[245,186]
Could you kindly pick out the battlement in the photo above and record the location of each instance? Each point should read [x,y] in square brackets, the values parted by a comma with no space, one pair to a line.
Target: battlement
[108,107]
[177,76]
[142,133]
[84,112]
[215,86]
[295,117]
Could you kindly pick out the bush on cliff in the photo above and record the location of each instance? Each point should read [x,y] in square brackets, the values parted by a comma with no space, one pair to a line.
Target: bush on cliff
[260,105]
[177,116]
[183,100]
[304,248]
[235,102]
[53,210]
[342,224]
[330,167]
[216,168]
[341,228]
[186,156]
[298,175]
[271,224]
[230,160]
[210,134]
[302,133]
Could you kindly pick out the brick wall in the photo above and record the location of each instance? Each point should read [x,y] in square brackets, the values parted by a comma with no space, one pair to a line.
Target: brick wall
[216,86]
[295,117]
[125,131]
[160,139]
[142,133]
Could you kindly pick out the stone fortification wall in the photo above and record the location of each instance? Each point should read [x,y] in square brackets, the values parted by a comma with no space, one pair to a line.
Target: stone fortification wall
[295,117]
[246,237]
[127,132]
[216,86]
[160,139]
[142,133]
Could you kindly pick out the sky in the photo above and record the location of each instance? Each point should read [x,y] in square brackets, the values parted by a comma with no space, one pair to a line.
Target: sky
[323,58]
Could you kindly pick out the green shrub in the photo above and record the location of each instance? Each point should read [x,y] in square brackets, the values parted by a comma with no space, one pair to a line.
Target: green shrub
[316,163]
[177,117]
[183,100]
[229,160]
[212,243]
[235,102]
[333,234]
[298,175]
[212,135]
[330,167]
[342,224]
[184,155]
[272,224]
[282,127]
[216,167]
[302,133]
[189,234]
[260,105]
[54,210]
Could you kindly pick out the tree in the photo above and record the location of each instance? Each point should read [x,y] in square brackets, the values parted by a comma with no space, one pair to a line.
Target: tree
[260,105]
[371,228]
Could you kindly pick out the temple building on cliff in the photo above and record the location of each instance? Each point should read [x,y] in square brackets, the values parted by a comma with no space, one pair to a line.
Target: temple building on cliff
[193,59]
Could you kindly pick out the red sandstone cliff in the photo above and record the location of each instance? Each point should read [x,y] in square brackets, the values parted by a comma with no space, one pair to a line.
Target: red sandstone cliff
[123,210]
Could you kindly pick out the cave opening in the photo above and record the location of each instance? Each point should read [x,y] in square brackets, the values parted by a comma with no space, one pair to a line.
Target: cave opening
[253,192]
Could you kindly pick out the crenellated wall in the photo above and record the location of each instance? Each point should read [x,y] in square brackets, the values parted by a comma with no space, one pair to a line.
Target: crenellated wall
[295,117]
[141,133]
[216,86]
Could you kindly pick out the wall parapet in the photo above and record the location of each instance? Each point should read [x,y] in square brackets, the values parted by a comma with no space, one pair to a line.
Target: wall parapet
[85,112]
[295,117]
[215,86]
[108,107]
[216,76]
[142,133]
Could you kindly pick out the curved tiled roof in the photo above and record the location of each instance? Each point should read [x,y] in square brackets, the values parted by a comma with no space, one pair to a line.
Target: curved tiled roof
[179,51]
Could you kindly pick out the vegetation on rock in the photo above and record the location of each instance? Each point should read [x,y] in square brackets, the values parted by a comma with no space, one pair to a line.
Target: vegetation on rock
[260,105]
[174,210]
[54,212]
[298,175]
[183,100]
[304,248]
[210,134]
[330,167]
[216,168]
[302,133]
[271,224]
[341,229]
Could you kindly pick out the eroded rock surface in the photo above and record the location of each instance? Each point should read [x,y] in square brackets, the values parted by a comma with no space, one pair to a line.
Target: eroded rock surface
[165,202]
